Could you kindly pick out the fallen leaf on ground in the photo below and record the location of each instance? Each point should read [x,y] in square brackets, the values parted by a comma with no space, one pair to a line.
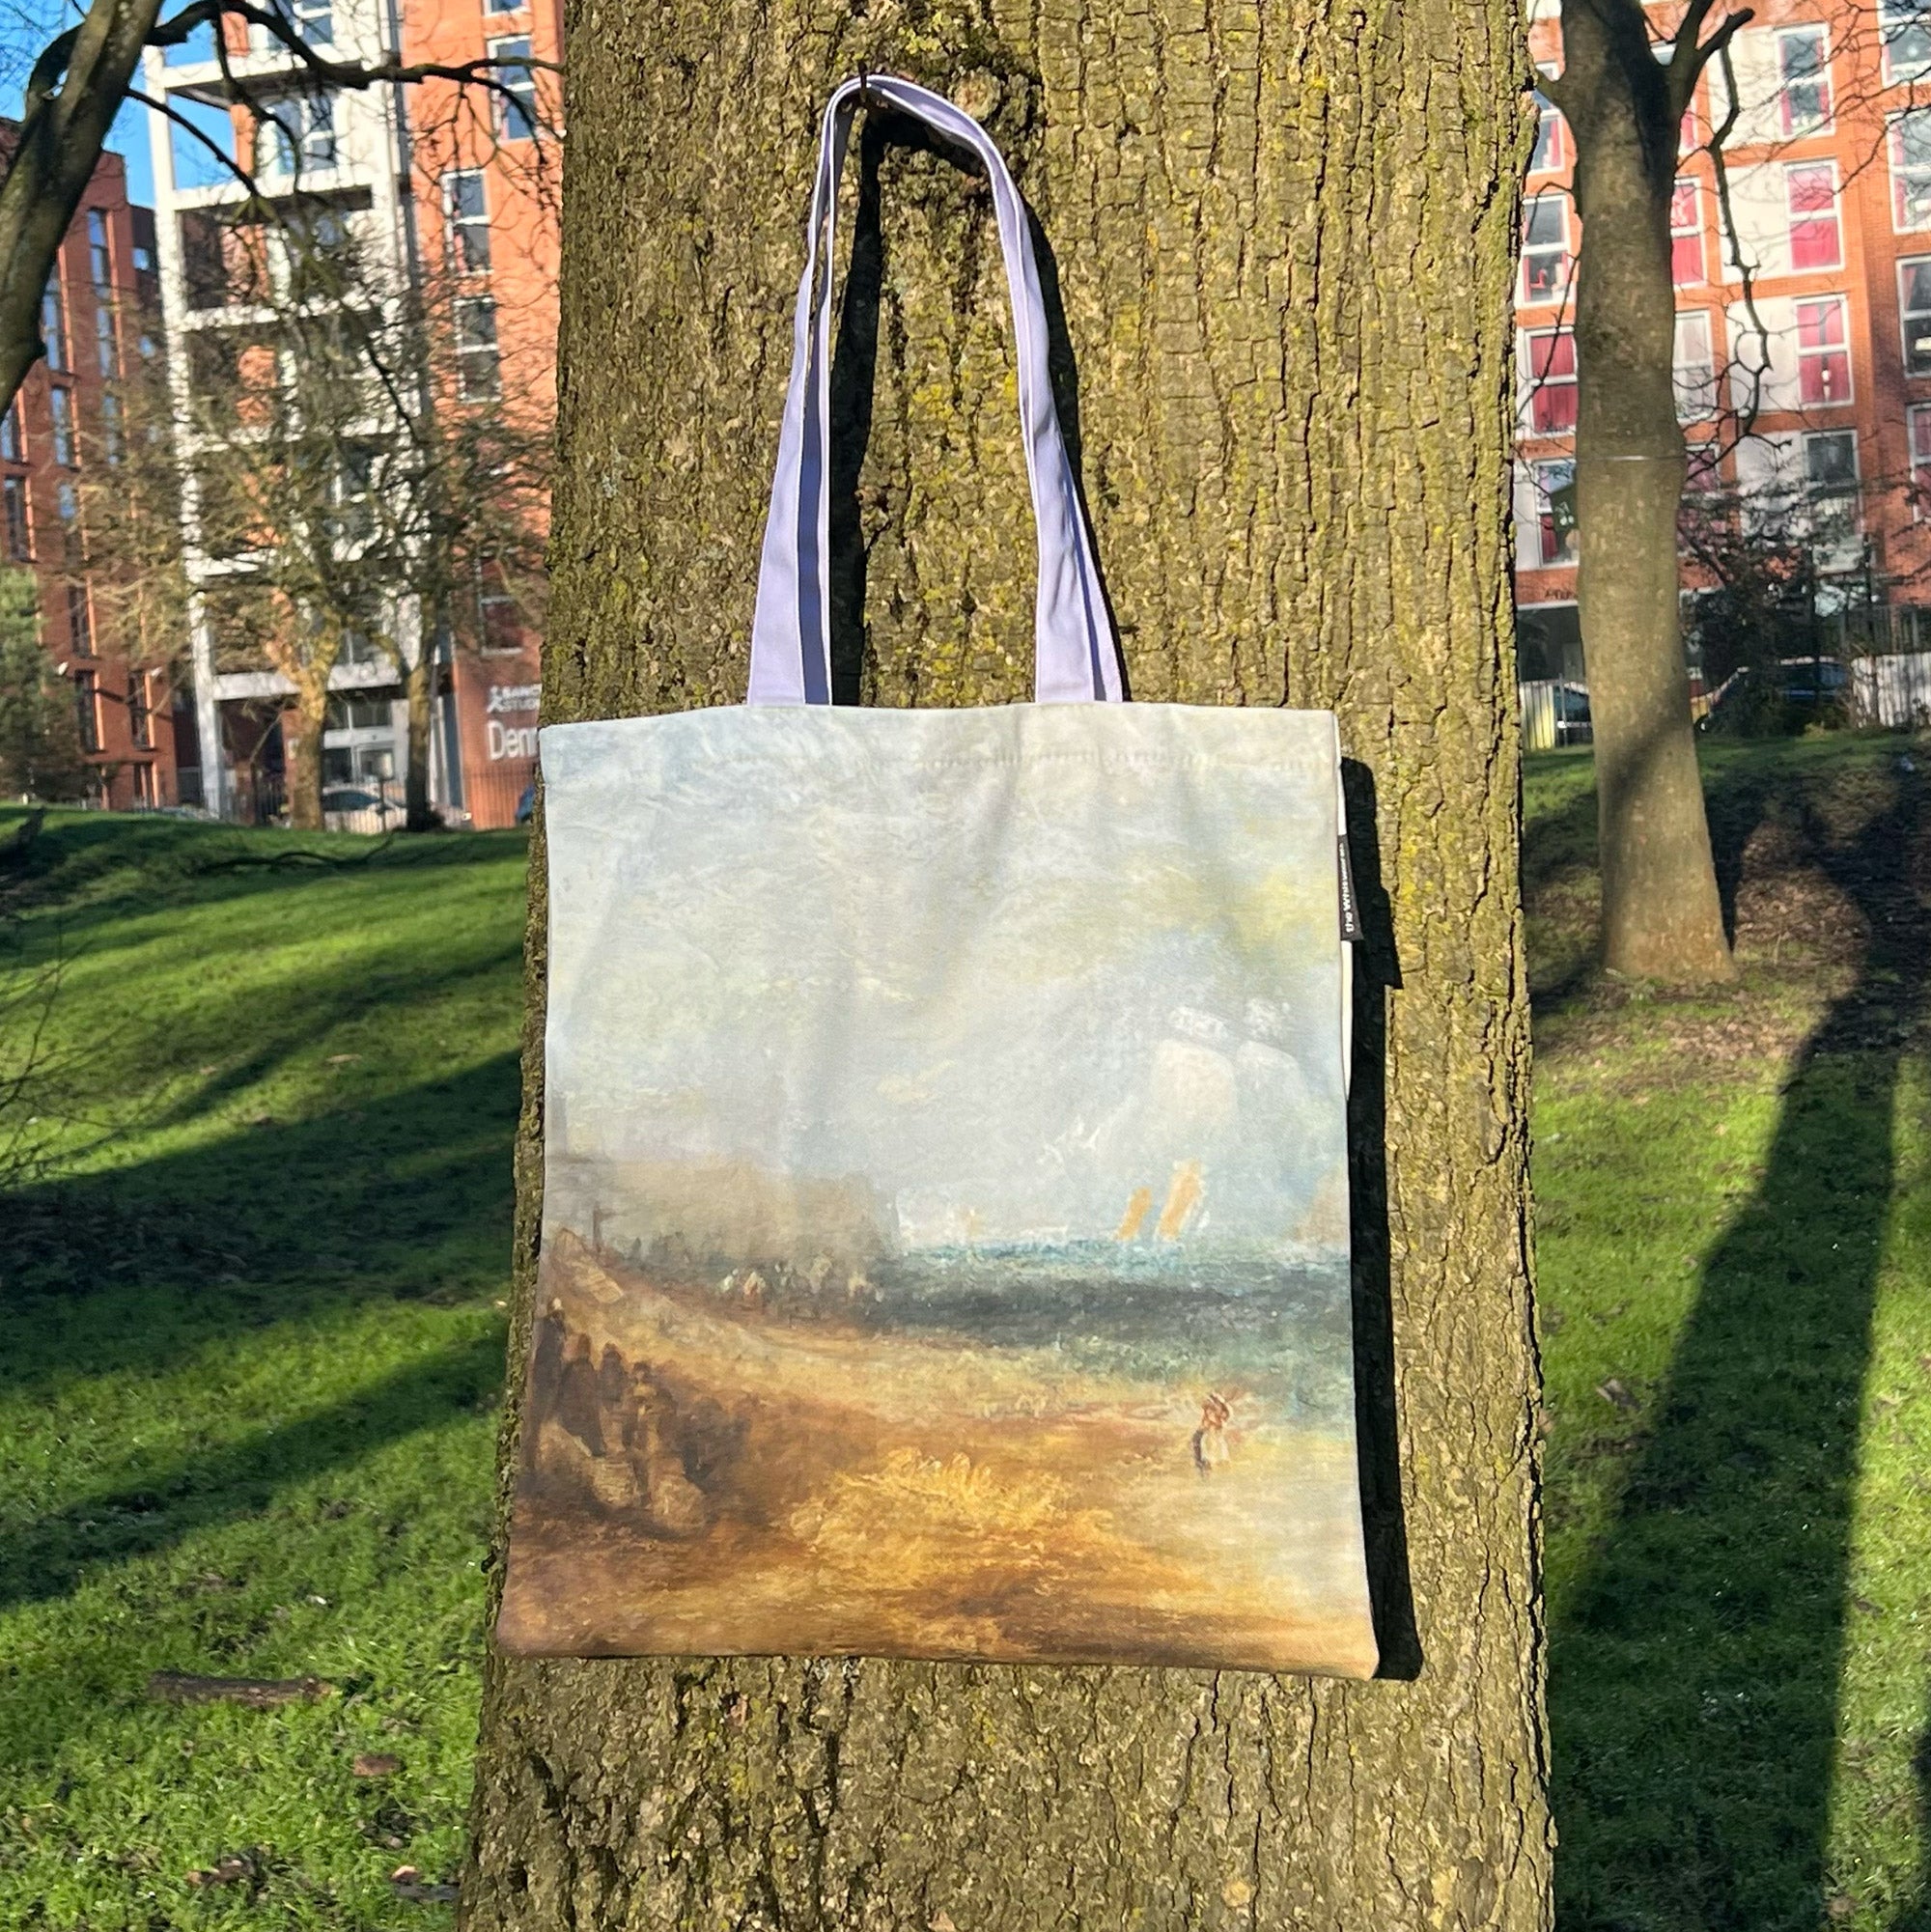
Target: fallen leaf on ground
[1612,1391]
[377,1764]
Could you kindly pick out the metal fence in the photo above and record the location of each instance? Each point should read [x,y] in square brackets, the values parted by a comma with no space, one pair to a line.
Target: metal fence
[1887,653]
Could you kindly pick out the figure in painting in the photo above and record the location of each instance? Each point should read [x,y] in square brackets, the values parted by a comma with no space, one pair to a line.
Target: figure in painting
[1210,1440]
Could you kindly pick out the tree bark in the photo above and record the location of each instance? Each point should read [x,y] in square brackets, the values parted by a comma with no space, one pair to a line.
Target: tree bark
[1661,917]
[418,684]
[1283,240]
[311,721]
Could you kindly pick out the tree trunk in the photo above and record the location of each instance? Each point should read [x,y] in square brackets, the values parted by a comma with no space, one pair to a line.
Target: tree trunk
[419,684]
[1284,247]
[1662,917]
[304,781]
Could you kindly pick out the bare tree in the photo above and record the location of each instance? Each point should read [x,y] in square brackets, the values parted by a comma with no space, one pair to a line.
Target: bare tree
[78,84]
[358,474]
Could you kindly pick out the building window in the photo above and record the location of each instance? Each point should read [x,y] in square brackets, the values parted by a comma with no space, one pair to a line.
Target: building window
[113,446]
[1914,314]
[66,500]
[1694,367]
[20,540]
[467,215]
[351,517]
[1823,357]
[1556,512]
[1552,377]
[304,133]
[1920,461]
[499,618]
[312,21]
[503,6]
[1804,76]
[53,326]
[107,348]
[1686,234]
[1811,197]
[140,715]
[79,620]
[87,708]
[1831,488]
[11,444]
[1905,27]
[1910,169]
[1548,150]
[1545,248]
[60,410]
[101,259]
[475,346]
[517,101]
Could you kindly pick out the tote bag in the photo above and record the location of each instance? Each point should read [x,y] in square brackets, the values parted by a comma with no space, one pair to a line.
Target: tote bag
[945,1212]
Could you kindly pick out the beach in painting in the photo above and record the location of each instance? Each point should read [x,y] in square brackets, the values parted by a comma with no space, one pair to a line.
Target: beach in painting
[945,1211]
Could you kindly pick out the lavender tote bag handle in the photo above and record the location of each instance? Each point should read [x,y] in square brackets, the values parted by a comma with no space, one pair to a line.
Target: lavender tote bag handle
[1076,659]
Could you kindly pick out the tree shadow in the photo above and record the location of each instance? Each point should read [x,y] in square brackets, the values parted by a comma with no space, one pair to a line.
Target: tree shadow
[1376,973]
[1693,1702]
[853,382]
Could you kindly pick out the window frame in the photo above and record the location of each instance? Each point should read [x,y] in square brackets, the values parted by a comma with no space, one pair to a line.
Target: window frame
[459,227]
[1539,385]
[1822,354]
[1827,120]
[1893,138]
[79,619]
[524,85]
[1890,31]
[1708,409]
[53,324]
[17,514]
[1921,465]
[467,390]
[1692,233]
[1564,254]
[61,426]
[1904,264]
[1791,217]
[87,711]
[1551,132]
[1550,554]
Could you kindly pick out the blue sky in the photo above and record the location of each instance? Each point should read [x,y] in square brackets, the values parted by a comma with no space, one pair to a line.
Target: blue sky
[25,27]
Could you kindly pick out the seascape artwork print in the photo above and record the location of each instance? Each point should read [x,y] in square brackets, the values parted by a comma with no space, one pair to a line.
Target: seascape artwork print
[944,1249]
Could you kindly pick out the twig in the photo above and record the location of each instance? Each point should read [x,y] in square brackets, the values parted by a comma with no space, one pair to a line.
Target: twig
[258,1693]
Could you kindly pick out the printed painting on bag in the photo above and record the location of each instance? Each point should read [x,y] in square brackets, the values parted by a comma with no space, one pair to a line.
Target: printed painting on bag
[946,1228]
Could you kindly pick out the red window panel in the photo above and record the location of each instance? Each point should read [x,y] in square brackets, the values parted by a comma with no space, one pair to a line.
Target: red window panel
[1686,235]
[1823,361]
[1810,194]
[1551,370]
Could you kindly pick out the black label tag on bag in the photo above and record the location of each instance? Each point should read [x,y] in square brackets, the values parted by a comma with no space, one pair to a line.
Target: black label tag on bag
[1351,912]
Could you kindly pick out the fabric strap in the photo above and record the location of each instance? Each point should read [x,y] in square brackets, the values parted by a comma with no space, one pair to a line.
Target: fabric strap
[1076,659]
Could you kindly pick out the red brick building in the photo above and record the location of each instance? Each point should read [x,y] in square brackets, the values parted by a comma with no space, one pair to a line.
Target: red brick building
[100,310]
[1812,412]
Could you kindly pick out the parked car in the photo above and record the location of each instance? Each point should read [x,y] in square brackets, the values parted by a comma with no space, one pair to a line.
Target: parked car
[1780,697]
[354,808]
[1572,715]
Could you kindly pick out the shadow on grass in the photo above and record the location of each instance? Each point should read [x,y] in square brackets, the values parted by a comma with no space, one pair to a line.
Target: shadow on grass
[1694,1691]
[140,1267]
[156,1502]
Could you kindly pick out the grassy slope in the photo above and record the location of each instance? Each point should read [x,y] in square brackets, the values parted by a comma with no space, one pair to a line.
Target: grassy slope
[256,1369]
[248,1355]
[1734,1241]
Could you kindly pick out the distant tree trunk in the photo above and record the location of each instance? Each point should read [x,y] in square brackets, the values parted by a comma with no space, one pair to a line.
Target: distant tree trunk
[1661,917]
[419,686]
[1285,245]
[311,716]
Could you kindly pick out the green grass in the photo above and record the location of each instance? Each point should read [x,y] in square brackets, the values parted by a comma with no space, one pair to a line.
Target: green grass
[249,1348]
[1734,1250]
